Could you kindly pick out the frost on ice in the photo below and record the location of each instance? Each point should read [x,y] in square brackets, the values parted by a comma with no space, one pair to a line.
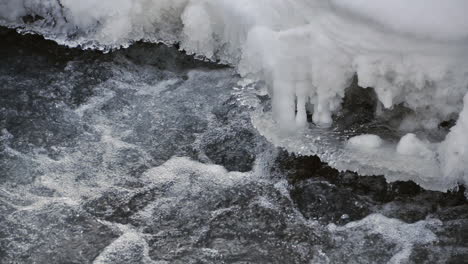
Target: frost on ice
[413,55]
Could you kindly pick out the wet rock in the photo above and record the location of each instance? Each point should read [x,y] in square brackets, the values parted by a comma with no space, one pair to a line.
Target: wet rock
[119,205]
[128,248]
[5,209]
[227,111]
[358,107]
[53,233]
[321,192]
[374,187]
[452,213]
[298,168]
[166,58]
[29,19]
[233,150]
[234,225]
[258,234]
[325,202]
[451,247]
[360,248]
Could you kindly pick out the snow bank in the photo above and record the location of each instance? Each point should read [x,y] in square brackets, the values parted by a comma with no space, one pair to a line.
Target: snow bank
[307,52]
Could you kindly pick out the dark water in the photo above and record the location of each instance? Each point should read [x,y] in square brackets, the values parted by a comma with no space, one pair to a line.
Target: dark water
[113,158]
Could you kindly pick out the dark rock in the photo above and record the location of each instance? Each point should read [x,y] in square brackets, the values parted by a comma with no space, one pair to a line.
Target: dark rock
[358,107]
[233,150]
[119,205]
[325,202]
[231,226]
[324,193]
[29,19]
[53,233]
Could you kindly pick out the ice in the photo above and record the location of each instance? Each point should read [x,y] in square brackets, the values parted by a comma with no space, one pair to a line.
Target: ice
[306,52]
[365,141]
[96,25]
[332,147]
[428,19]
[411,145]
[453,152]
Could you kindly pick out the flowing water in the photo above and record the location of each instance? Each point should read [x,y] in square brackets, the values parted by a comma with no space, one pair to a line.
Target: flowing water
[146,155]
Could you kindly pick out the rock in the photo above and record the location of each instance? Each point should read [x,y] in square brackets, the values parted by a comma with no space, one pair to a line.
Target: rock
[53,233]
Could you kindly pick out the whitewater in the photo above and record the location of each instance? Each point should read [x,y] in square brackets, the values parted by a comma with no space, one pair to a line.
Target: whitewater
[306,55]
